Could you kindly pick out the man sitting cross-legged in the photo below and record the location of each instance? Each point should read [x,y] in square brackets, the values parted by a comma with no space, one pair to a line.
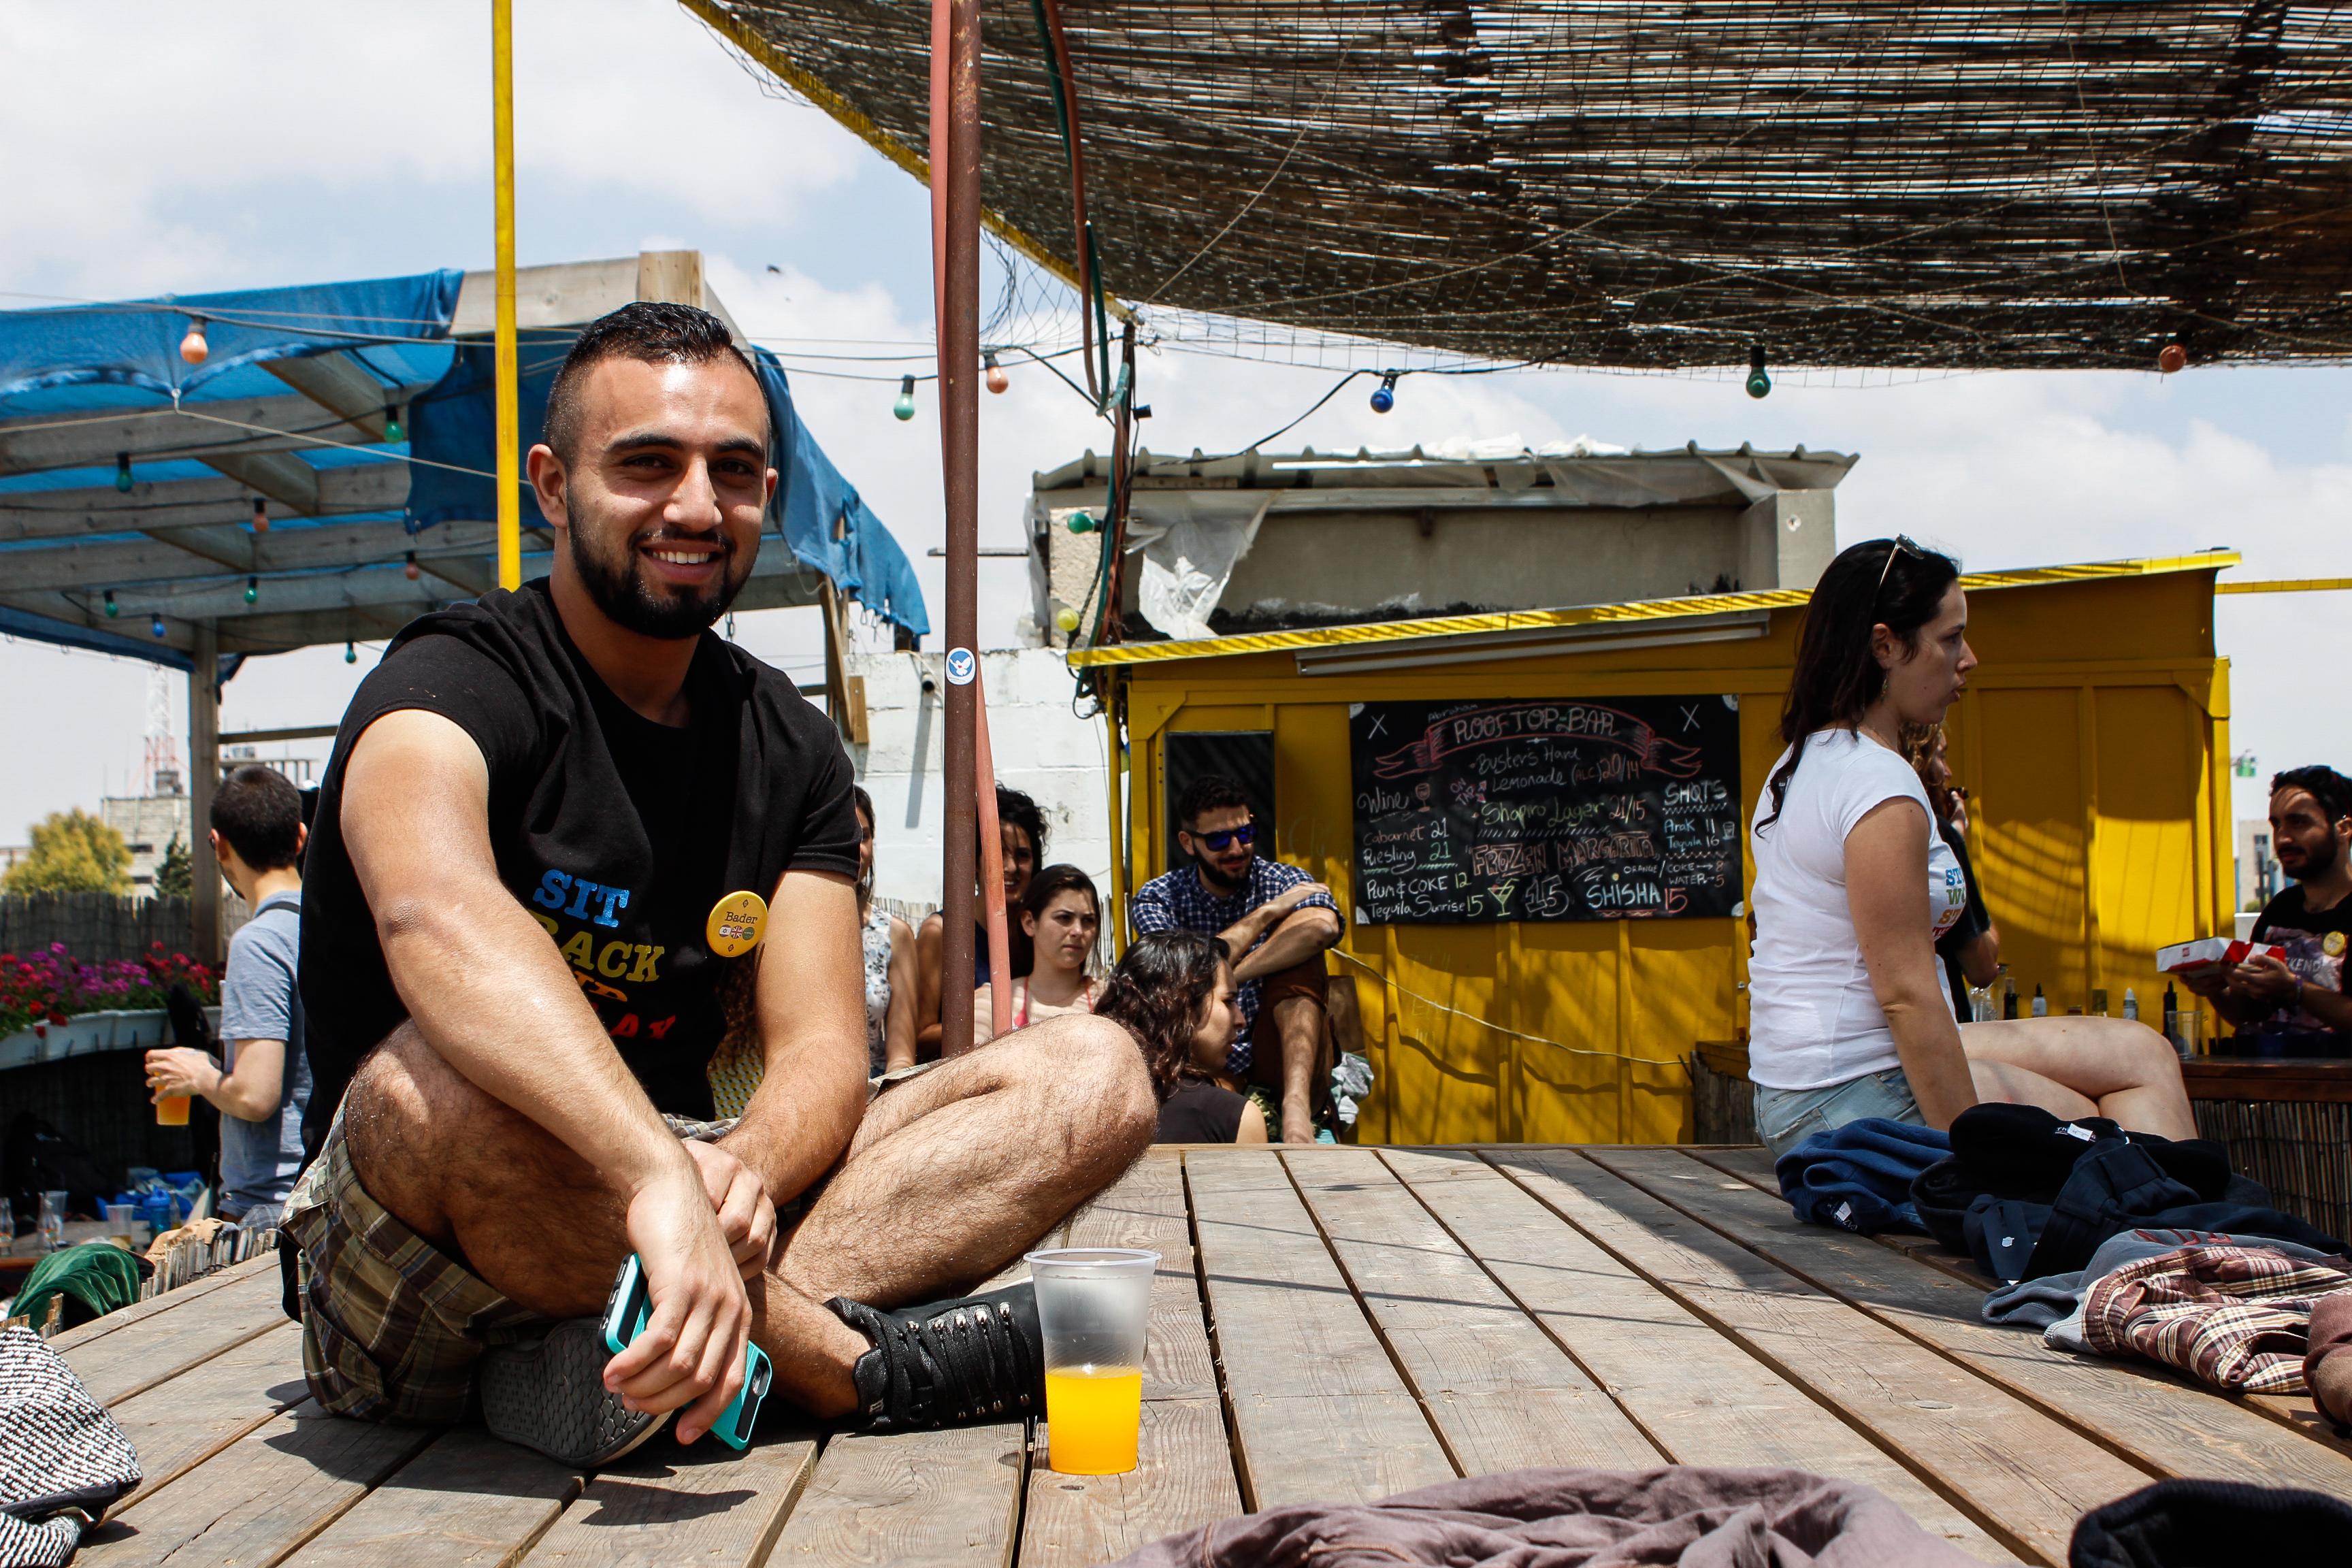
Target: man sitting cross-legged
[528,922]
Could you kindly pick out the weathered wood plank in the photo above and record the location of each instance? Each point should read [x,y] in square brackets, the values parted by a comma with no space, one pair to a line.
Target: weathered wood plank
[922,1500]
[258,1499]
[1753,1166]
[469,1502]
[140,1312]
[1700,1396]
[181,1425]
[2157,1419]
[1500,1390]
[704,1504]
[1319,1411]
[2022,1475]
[1184,1478]
[1146,1209]
[145,1354]
[2294,1411]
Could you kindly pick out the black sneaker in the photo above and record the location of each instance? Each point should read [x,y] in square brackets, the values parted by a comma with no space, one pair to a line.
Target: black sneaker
[550,1394]
[951,1363]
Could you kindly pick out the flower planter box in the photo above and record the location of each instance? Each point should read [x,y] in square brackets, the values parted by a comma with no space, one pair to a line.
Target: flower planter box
[87,1034]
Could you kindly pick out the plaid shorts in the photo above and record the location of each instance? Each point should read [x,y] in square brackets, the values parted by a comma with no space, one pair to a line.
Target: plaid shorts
[392,1326]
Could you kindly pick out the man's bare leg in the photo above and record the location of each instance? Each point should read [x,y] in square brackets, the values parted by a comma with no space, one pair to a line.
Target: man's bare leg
[950,1176]
[2083,1066]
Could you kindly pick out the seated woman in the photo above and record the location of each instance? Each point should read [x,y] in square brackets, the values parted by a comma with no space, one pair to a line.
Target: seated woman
[1058,914]
[1021,829]
[1174,992]
[1850,1014]
[889,943]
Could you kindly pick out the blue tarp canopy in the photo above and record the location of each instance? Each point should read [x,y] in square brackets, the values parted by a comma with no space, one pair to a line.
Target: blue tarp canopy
[326,471]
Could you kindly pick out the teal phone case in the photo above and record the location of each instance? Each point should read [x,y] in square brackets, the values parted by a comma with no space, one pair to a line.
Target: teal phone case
[626,1312]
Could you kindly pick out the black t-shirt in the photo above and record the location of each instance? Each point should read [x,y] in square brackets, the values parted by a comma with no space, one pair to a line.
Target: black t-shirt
[618,835]
[1200,1112]
[2315,947]
[1974,921]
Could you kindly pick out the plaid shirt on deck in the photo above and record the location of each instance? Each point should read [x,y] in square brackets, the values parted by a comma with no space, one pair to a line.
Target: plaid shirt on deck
[2236,1316]
[1177,902]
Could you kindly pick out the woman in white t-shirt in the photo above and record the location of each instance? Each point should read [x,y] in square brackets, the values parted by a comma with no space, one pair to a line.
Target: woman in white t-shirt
[1848,1011]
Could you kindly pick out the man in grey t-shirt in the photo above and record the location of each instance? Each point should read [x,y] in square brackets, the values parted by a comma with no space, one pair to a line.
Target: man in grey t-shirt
[265,1083]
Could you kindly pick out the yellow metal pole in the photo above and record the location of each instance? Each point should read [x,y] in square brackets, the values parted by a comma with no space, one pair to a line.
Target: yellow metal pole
[510,411]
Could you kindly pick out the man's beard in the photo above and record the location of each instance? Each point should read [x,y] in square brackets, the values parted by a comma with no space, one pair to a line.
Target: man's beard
[1216,881]
[619,588]
[2315,862]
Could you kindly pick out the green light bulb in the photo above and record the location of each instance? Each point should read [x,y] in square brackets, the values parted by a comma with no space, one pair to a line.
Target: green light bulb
[112,609]
[252,590]
[392,430]
[905,407]
[122,472]
[351,654]
[1080,523]
[1758,383]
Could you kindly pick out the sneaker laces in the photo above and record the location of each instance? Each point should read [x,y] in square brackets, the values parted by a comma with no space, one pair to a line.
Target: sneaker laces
[949,1363]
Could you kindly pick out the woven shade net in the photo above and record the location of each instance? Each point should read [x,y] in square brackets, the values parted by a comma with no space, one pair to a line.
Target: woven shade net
[1666,185]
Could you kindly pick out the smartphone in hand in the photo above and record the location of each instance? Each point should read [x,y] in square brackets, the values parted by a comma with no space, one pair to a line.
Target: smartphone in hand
[626,1312]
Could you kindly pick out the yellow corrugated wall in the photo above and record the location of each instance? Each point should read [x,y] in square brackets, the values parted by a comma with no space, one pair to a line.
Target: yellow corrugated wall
[2093,740]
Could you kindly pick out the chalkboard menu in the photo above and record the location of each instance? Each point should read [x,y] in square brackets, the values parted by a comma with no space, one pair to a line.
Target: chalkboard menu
[1550,809]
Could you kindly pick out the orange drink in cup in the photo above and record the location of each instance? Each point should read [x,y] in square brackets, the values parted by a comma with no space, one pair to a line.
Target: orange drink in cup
[171,1111]
[1094,1305]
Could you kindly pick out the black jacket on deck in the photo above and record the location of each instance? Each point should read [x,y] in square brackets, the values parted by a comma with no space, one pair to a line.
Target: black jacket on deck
[2026,1194]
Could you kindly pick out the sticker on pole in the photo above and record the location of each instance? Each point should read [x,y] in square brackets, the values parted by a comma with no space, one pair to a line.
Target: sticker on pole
[962,666]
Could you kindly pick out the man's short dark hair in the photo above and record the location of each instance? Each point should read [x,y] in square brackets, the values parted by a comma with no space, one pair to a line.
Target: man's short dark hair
[1210,792]
[259,812]
[2331,789]
[654,332]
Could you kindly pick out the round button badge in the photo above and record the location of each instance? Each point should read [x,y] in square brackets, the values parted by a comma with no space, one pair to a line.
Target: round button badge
[736,924]
[962,666]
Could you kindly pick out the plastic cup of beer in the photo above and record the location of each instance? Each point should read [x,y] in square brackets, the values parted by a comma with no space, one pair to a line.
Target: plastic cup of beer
[1094,1305]
[171,1111]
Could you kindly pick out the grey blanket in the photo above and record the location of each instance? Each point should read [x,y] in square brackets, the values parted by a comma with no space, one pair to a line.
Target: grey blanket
[1686,1515]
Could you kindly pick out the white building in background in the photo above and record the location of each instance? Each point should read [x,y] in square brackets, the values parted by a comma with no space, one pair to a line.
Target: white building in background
[2258,868]
[1041,747]
[148,823]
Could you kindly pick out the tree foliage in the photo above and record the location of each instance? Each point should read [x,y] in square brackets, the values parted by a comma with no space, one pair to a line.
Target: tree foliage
[73,852]
[175,876]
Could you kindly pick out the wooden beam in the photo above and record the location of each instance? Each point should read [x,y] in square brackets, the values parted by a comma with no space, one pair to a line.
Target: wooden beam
[219,546]
[339,384]
[203,778]
[264,737]
[169,557]
[209,430]
[156,508]
[281,475]
[567,294]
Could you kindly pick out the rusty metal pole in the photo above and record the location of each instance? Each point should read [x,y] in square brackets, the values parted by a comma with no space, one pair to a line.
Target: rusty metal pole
[955,175]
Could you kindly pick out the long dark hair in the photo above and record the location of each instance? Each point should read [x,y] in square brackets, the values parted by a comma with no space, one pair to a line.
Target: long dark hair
[1158,992]
[865,879]
[1880,581]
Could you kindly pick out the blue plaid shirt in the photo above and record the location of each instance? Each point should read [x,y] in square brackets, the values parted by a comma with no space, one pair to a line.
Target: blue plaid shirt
[1177,902]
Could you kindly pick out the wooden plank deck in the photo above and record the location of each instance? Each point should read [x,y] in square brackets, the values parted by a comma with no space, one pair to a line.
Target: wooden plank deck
[1326,1324]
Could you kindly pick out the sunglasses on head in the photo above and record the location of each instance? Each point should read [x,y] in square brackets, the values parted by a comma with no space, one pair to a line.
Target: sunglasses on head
[1902,543]
[1244,835]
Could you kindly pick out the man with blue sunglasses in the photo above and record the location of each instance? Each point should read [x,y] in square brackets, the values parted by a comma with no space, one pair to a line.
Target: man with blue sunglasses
[1274,920]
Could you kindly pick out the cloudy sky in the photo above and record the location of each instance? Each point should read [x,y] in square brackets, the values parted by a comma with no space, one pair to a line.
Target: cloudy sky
[251,143]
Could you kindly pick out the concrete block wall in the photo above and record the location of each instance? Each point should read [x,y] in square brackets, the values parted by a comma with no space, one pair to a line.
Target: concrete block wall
[1042,747]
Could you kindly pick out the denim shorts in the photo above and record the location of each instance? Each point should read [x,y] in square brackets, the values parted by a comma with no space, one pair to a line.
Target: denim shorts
[1787,1117]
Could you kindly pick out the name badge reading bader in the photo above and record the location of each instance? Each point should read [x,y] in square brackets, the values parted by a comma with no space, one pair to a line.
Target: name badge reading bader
[736,924]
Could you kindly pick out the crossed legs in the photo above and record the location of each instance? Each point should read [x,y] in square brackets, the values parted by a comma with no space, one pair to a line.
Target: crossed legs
[951,1175]
[2081,1066]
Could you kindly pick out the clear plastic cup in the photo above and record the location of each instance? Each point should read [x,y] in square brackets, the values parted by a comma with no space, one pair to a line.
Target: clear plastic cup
[52,1220]
[121,1220]
[1094,1307]
[2187,1026]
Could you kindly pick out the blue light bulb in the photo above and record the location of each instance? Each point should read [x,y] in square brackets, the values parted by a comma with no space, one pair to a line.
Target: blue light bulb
[1384,395]
[156,625]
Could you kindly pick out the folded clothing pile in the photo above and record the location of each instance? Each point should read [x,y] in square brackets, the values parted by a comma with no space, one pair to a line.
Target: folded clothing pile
[2027,1195]
[1579,1519]
[2235,1317]
[1858,1176]
[62,1459]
